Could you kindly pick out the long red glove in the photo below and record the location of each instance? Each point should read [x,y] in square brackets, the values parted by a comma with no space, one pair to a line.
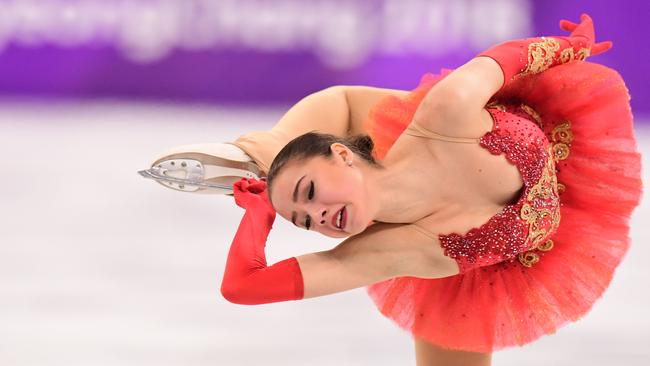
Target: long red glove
[247,279]
[533,55]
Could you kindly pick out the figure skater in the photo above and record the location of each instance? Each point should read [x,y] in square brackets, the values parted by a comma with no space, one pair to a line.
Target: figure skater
[482,210]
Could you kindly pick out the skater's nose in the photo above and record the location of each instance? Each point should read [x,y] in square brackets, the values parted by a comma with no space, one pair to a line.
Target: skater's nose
[318,215]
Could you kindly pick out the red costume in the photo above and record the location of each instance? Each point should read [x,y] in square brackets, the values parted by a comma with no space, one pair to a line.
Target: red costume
[576,118]
[539,263]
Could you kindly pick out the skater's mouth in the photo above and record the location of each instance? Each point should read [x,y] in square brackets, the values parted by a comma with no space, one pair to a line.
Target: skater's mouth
[339,220]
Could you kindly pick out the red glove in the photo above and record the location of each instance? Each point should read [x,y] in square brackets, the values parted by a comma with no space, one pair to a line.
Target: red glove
[247,279]
[534,55]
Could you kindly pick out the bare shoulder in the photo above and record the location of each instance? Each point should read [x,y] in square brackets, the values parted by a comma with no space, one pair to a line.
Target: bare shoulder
[455,106]
[460,125]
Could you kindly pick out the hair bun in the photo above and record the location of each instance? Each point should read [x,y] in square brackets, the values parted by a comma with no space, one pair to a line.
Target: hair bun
[363,145]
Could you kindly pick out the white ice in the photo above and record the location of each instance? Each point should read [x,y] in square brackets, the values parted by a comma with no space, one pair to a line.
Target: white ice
[99,266]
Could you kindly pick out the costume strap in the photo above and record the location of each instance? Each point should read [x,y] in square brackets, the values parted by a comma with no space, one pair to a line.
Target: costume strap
[415,129]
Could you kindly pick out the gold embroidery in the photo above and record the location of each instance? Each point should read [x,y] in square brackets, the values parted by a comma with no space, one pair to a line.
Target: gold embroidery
[531,112]
[582,54]
[497,105]
[535,217]
[566,55]
[562,133]
[544,189]
[541,55]
[560,151]
[528,259]
[548,245]
[562,137]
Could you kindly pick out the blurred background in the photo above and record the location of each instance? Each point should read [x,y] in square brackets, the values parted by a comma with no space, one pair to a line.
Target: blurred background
[100,267]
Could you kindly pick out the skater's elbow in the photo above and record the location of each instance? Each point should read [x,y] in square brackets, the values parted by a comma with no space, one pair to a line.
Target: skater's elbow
[232,294]
[240,295]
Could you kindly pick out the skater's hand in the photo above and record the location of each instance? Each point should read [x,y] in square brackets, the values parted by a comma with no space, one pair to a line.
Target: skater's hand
[586,29]
[252,194]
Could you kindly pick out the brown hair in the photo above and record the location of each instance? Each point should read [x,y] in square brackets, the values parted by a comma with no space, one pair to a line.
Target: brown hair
[313,144]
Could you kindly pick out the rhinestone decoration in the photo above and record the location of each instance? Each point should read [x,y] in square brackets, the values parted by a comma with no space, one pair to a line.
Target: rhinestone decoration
[523,226]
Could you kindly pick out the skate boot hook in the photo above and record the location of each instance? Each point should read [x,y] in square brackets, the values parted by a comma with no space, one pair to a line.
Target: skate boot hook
[210,168]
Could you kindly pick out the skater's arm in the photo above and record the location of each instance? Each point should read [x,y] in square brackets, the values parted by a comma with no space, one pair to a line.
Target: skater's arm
[338,110]
[361,99]
[381,252]
[455,105]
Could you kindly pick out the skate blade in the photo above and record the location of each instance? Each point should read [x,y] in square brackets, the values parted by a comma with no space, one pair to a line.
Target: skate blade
[189,175]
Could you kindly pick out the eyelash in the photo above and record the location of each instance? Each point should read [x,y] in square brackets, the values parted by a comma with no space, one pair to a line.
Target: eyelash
[310,195]
[311,191]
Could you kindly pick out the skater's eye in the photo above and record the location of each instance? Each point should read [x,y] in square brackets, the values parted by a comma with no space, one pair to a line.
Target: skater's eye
[308,222]
[311,191]
[310,195]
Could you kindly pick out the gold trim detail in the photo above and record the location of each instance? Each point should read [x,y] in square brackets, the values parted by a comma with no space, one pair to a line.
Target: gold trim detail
[560,151]
[562,133]
[497,105]
[535,217]
[548,245]
[541,55]
[531,112]
[582,54]
[566,55]
[561,137]
[528,259]
[544,189]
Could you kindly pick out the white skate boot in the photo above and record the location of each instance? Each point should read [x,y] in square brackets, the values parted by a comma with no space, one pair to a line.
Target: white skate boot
[202,168]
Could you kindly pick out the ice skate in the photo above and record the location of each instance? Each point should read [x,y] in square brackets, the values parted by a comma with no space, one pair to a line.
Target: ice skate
[209,168]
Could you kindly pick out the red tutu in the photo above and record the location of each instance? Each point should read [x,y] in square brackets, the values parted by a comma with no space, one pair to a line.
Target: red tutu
[484,311]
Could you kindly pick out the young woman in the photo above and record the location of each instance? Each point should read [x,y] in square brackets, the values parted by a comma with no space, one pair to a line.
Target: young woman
[488,207]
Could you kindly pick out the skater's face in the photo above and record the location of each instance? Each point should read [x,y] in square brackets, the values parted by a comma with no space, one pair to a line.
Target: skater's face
[312,193]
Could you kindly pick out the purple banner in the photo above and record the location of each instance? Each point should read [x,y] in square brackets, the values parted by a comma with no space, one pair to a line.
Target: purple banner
[277,52]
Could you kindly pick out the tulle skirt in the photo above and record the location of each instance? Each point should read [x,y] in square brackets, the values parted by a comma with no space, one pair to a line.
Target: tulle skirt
[501,306]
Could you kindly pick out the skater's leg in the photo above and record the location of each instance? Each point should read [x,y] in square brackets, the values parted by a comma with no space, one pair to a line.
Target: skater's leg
[428,354]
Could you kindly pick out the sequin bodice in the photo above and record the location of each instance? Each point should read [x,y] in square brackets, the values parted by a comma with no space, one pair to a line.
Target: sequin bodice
[525,224]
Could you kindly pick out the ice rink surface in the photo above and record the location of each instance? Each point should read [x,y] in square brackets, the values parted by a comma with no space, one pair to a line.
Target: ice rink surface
[99,266]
